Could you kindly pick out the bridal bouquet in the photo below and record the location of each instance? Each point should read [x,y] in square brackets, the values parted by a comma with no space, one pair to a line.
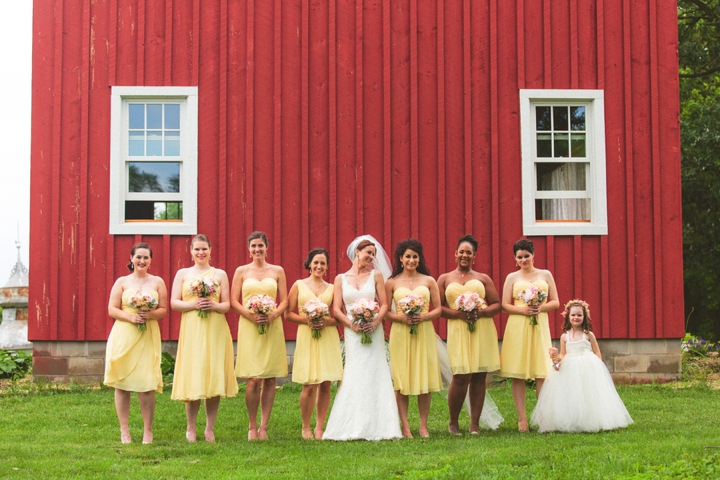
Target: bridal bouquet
[261,304]
[143,302]
[363,311]
[532,296]
[469,302]
[315,309]
[411,305]
[203,287]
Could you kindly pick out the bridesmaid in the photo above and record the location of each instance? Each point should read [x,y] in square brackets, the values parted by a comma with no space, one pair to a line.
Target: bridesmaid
[317,361]
[261,358]
[204,366]
[472,354]
[525,346]
[413,356]
[132,358]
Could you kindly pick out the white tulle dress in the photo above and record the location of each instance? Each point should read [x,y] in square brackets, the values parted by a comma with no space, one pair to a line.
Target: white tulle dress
[581,396]
[364,407]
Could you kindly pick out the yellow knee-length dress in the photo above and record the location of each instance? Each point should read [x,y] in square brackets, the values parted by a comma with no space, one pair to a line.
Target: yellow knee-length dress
[414,357]
[260,356]
[525,347]
[471,352]
[132,357]
[316,360]
[204,365]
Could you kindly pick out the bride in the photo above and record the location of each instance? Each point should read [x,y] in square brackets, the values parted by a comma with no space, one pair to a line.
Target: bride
[365,407]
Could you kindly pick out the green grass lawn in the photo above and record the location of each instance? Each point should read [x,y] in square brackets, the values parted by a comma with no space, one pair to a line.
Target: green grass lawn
[49,432]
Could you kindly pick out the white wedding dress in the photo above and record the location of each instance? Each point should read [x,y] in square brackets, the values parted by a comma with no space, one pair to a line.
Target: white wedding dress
[364,407]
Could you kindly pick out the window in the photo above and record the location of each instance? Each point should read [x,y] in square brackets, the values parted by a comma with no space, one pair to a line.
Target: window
[563,162]
[153,160]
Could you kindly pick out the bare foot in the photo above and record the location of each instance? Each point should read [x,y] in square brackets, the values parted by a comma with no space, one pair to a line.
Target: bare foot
[147,438]
[318,433]
[209,436]
[407,433]
[424,432]
[307,434]
[262,434]
[474,430]
[125,437]
[523,426]
[454,429]
[191,436]
[252,434]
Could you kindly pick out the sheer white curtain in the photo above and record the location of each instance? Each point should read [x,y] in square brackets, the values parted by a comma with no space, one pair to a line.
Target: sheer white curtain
[567,176]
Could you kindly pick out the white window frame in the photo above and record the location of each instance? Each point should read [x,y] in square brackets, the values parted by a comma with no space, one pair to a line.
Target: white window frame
[121,97]
[593,100]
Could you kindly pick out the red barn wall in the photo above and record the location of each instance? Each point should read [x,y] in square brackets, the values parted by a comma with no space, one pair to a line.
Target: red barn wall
[319,121]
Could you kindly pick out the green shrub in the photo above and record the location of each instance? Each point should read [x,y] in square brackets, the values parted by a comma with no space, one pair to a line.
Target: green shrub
[167,366]
[15,364]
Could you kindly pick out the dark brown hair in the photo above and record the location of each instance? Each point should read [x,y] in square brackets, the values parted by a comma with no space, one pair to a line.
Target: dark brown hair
[402,247]
[130,265]
[256,235]
[586,325]
[524,244]
[311,255]
[468,238]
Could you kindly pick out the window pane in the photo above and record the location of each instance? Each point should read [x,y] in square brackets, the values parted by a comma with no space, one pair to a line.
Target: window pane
[563,209]
[154,143]
[136,147]
[154,116]
[561,144]
[577,118]
[154,177]
[544,145]
[172,144]
[137,116]
[560,118]
[561,176]
[149,210]
[172,116]
[542,118]
[577,142]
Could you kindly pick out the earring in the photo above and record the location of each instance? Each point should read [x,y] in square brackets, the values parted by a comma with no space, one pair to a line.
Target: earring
[402,266]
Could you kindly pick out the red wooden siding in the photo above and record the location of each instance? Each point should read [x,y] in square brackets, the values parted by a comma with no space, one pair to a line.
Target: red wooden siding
[319,121]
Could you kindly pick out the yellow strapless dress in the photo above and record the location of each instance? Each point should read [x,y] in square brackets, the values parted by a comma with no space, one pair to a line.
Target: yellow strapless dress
[260,356]
[316,360]
[204,365]
[414,357]
[525,347]
[132,357]
[471,352]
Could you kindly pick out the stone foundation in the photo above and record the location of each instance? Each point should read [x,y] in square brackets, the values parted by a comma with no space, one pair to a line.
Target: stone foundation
[85,361]
[629,361]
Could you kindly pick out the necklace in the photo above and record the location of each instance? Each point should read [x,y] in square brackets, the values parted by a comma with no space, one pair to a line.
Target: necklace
[530,277]
[357,280]
[315,286]
[411,279]
[138,281]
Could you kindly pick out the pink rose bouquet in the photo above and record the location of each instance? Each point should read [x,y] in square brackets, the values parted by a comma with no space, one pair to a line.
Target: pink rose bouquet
[143,302]
[363,311]
[532,296]
[411,305]
[470,302]
[262,304]
[315,309]
[554,360]
[203,287]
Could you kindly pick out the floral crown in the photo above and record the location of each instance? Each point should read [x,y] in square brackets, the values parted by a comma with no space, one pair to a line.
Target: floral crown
[575,302]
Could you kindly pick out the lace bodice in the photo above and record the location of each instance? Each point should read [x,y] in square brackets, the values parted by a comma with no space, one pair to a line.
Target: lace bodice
[578,347]
[352,295]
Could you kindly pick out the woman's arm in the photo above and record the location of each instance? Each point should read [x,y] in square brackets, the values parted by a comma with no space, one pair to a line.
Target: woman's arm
[552,301]
[236,295]
[290,313]
[382,299]
[161,309]
[390,315]
[282,296]
[434,302]
[223,306]
[115,304]
[338,304]
[491,297]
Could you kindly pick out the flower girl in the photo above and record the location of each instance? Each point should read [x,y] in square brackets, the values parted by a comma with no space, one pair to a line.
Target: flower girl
[579,394]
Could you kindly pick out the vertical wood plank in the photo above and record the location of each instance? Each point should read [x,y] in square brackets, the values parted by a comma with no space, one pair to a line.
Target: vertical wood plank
[547,44]
[494,139]
[629,177]
[277,149]
[414,152]
[467,109]
[305,136]
[249,119]
[222,161]
[360,187]
[574,47]
[442,219]
[387,128]
[140,79]
[168,43]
